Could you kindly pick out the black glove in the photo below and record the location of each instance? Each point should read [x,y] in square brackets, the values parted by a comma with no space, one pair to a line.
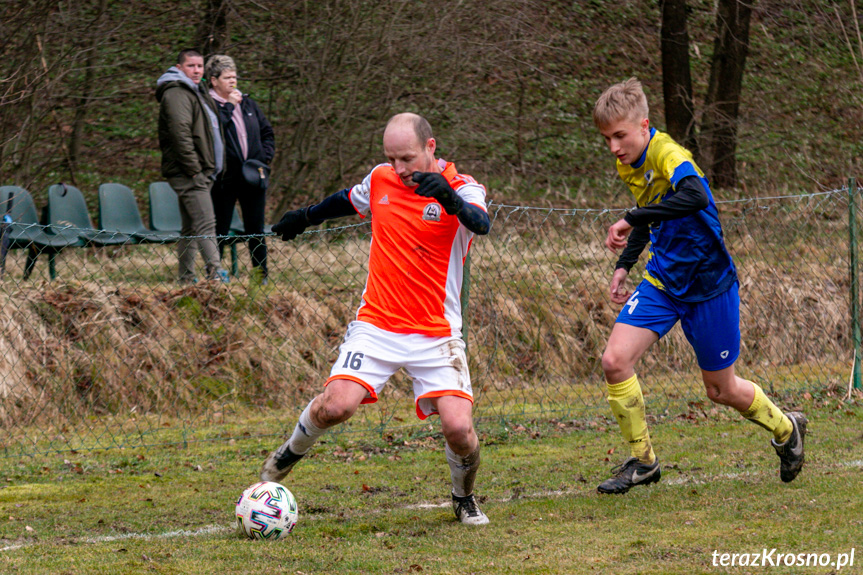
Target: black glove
[434,185]
[292,224]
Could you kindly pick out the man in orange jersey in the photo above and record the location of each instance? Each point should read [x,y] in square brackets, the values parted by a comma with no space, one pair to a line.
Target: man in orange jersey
[424,216]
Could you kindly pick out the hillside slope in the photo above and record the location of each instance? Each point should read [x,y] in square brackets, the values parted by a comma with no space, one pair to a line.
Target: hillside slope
[507,84]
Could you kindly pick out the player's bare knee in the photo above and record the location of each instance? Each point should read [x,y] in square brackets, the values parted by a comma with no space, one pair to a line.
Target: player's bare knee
[722,389]
[613,364]
[715,394]
[607,362]
[458,436]
[330,413]
[721,395]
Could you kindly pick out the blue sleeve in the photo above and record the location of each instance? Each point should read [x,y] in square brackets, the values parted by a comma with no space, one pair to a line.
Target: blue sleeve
[337,205]
[683,170]
[474,218]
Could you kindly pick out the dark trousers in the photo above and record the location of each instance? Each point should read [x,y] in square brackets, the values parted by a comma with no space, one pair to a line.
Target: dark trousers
[226,192]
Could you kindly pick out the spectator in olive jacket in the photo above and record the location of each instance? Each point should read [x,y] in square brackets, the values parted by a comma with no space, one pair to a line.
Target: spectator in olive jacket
[193,155]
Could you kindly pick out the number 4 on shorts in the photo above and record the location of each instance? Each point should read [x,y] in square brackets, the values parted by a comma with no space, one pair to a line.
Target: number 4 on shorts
[633,301]
[354,360]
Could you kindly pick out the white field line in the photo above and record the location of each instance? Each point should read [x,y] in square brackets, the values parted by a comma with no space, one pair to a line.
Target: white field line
[167,535]
[210,529]
[695,481]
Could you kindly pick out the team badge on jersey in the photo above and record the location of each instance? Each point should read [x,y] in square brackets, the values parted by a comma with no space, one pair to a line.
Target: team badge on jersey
[431,212]
[648,177]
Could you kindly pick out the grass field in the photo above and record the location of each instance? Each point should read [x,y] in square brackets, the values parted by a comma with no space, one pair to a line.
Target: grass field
[370,505]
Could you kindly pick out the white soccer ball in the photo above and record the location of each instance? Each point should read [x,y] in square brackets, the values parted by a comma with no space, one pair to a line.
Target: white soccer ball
[266,510]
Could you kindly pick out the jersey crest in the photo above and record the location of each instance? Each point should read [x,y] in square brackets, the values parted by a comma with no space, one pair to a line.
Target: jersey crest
[648,178]
[431,213]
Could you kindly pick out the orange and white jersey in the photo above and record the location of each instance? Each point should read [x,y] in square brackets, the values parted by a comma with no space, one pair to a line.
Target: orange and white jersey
[417,253]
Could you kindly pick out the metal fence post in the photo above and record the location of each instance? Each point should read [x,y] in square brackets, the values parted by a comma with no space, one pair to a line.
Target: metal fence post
[855,301]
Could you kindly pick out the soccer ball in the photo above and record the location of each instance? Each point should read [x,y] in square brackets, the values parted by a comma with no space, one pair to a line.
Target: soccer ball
[266,510]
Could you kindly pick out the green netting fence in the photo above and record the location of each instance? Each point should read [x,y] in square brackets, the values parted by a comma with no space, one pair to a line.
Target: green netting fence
[114,353]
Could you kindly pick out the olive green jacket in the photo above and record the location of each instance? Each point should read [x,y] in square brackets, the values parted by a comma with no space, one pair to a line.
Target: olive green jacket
[185,135]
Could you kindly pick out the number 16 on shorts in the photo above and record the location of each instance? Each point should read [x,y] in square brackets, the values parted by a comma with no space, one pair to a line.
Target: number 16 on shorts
[353,360]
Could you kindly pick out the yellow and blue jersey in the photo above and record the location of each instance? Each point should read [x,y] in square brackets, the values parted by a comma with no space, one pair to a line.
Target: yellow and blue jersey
[687,259]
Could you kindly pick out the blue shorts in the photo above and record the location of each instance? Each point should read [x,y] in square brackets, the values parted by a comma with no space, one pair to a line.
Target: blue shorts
[712,327]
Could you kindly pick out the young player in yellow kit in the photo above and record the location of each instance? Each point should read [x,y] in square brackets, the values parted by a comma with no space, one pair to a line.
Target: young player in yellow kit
[689,277]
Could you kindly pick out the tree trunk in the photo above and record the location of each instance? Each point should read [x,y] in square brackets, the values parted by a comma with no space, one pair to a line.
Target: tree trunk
[87,88]
[676,76]
[212,31]
[722,103]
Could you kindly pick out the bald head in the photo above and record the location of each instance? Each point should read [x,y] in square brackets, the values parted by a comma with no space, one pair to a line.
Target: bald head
[419,125]
[409,146]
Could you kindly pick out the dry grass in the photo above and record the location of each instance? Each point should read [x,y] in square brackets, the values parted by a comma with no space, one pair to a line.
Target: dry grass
[120,340]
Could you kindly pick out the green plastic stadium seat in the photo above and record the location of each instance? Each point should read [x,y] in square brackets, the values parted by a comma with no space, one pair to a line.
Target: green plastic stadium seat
[165,216]
[118,212]
[68,209]
[164,208]
[25,231]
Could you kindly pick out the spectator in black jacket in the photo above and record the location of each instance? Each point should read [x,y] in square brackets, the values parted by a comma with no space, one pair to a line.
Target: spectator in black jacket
[248,136]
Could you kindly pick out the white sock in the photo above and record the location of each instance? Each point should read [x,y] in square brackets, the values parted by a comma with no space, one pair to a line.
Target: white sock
[305,433]
[462,470]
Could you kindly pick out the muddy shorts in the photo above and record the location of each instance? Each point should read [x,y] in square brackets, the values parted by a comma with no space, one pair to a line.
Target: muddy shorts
[369,356]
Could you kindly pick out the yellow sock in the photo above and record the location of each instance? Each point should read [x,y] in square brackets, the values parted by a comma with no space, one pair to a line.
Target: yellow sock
[762,412]
[627,404]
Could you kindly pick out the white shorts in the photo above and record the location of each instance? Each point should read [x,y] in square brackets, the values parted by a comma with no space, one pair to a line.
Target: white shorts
[369,356]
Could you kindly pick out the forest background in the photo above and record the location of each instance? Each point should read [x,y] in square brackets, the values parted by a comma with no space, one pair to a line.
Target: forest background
[508,86]
[207,378]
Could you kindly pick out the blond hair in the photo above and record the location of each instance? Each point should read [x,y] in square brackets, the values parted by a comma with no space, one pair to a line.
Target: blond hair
[623,101]
[217,65]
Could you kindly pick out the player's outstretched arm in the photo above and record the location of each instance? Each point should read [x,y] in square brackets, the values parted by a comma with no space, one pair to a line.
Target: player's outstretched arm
[689,197]
[295,222]
[434,185]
